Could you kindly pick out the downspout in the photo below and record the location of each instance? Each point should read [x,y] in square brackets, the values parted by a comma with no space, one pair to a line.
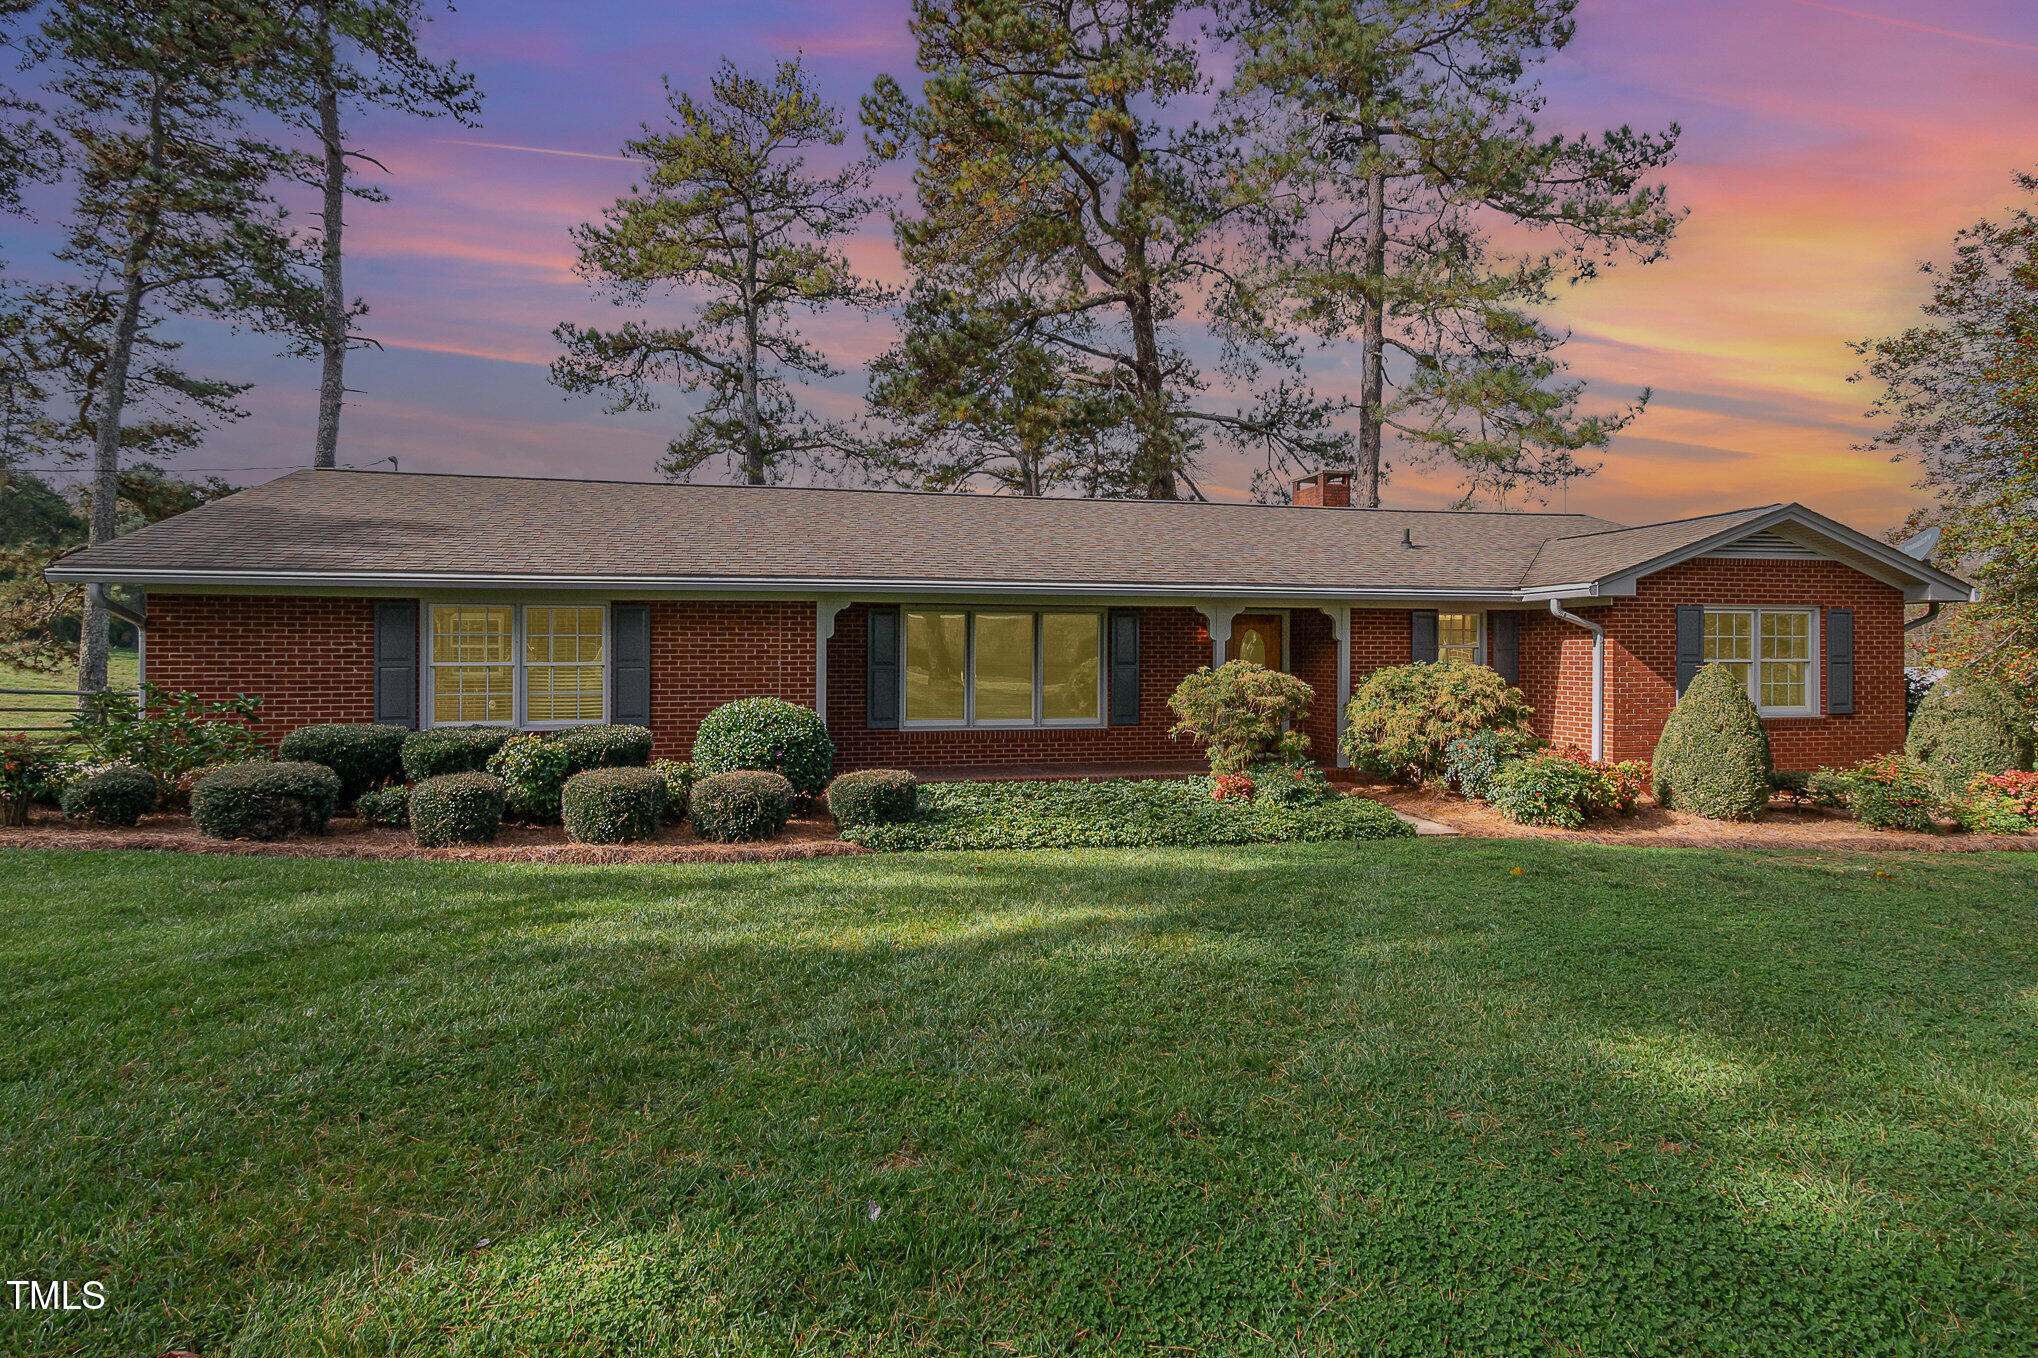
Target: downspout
[1931,613]
[96,594]
[1598,675]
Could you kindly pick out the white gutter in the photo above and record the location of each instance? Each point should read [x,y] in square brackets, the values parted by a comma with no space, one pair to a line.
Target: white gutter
[1598,675]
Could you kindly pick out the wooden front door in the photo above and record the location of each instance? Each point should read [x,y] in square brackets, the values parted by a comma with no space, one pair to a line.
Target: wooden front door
[1256,637]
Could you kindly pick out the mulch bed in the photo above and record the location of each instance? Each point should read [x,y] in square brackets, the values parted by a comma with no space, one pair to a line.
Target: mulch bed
[1783,826]
[804,837]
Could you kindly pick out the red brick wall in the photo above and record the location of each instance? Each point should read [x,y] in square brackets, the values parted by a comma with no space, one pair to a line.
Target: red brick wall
[308,659]
[706,653]
[1642,644]
[1556,676]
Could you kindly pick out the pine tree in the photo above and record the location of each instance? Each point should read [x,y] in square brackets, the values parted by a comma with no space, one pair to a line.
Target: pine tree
[731,213]
[1413,127]
[350,56]
[1057,161]
[173,209]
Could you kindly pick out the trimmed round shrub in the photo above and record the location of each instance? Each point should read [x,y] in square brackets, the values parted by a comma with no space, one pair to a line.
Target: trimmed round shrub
[1713,759]
[265,801]
[456,808]
[1471,761]
[119,796]
[742,805]
[770,735]
[613,806]
[1402,718]
[679,776]
[533,770]
[605,747]
[363,754]
[385,806]
[873,797]
[1968,726]
[451,749]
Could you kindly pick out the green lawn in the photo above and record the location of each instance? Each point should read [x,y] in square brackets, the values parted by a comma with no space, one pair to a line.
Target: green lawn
[1381,1098]
[123,670]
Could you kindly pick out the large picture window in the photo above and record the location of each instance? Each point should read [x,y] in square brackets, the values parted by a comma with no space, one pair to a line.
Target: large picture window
[1772,651]
[1003,668]
[505,665]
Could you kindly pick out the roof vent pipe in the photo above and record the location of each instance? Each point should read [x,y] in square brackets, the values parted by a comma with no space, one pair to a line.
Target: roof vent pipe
[1598,675]
[1407,538]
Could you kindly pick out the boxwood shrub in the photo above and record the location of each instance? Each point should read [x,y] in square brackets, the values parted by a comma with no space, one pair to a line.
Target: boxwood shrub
[451,749]
[1118,814]
[873,797]
[1966,727]
[265,801]
[456,808]
[118,796]
[744,804]
[1713,759]
[385,806]
[613,805]
[363,754]
[767,734]
[605,747]
[679,777]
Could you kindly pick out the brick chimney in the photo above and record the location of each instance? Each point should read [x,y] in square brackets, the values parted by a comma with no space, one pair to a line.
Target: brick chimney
[1324,490]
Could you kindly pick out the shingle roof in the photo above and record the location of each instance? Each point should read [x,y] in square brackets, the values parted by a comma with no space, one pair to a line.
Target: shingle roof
[336,522]
[1589,556]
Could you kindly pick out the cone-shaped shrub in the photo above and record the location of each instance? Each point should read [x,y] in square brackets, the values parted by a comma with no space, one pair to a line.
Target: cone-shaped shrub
[1713,759]
[1967,727]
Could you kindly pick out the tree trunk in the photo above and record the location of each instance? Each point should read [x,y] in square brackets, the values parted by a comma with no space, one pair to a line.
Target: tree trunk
[333,330]
[1372,389]
[753,438]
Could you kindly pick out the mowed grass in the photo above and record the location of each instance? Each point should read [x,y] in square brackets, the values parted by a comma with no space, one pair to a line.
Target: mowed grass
[1381,1098]
[47,708]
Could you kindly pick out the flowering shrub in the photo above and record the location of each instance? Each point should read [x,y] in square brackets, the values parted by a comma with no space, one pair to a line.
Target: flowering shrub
[1619,784]
[2001,804]
[1402,718]
[1231,787]
[169,735]
[1242,712]
[25,768]
[1889,792]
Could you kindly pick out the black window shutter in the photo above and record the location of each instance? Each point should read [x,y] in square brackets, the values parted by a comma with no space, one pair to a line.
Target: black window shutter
[881,669]
[1503,644]
[630,665]
[1125,667]
[1690,644]
[1839,660]
[1422,636]
[396,662]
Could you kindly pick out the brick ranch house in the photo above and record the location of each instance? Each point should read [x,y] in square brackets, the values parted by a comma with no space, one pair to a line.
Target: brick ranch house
[959,632]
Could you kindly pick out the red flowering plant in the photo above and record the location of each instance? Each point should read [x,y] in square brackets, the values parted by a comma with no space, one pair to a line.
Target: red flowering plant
[1889,792]
[26,768]
[1230,787]
[2001,803]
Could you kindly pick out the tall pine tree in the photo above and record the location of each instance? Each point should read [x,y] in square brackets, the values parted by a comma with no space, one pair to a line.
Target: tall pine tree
[731,213]
[1056,143]
[1441,218]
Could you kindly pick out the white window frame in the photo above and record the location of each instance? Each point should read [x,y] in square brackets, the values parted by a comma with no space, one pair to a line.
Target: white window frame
[518,665]
[969,720]
[1814,675]
[1478,616]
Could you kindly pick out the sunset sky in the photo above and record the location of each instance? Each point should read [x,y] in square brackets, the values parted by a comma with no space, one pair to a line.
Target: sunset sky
[1826,149]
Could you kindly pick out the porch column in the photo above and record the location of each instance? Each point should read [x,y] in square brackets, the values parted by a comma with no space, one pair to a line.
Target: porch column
[1340,616]
[1217,617]
[825,609]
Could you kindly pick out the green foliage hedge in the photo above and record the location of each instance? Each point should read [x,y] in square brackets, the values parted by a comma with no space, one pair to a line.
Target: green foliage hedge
[265,801]
[363,754]
[456,808]
[767,734]
[1889,792]
[605,747]
[451,749]
[613,805]
[1471,761]
[1967,727]
[741,805]
[118,796]
[1713,758]
[1544,789]
[532,770]
[873,797]
[679,778]
[1402,718]
[385,806]
[1119,814]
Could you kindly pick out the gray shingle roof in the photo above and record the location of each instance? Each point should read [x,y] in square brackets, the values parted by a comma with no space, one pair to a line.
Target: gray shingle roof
[1580,557]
